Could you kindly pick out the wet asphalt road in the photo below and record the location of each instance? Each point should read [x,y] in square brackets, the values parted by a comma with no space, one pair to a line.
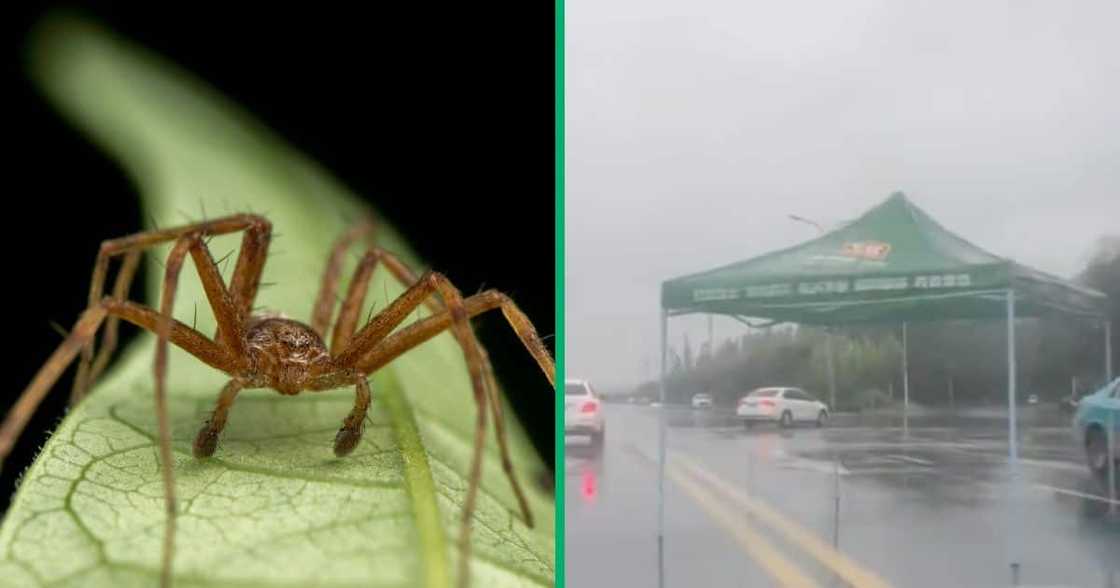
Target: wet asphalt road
[856,503]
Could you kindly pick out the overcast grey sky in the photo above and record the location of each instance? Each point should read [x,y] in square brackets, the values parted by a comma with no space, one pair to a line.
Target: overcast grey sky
[694,128]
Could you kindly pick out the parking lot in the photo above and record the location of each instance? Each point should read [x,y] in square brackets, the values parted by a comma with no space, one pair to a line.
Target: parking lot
[862,502]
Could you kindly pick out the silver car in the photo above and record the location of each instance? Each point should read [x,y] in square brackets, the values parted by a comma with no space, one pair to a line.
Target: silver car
[583,411]
[785,406]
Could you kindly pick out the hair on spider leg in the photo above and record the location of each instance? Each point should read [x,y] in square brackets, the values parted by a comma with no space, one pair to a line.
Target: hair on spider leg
[58,329]
[369,315]
[367,418]
[190,219]
[222,262]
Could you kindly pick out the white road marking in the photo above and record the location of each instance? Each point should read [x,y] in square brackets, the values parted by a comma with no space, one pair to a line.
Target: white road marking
[1057,465]
[810,465]
[1078,494]
[916,460]
[895,471]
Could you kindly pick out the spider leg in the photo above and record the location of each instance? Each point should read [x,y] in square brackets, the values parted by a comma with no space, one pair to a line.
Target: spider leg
[84,330]
[16,419]
[373,337]
[207,440]
[413,335]
[355,297]
[246,277]
[495,404]
[324,302]
[405,275]
[230,334]
[191,243]
[461,327]
[352,305]
[112,326]
[420,331]
[351,432]
[388,319]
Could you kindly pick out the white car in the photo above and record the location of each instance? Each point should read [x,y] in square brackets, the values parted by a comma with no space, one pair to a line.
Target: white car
[785,406]
[702,401]
[583,411]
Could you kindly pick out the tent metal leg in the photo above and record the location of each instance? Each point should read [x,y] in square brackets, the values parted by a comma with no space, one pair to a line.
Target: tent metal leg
[661,454]
[1112,509]
[1108,351]
[1013,442]
[905,384]
[831,370]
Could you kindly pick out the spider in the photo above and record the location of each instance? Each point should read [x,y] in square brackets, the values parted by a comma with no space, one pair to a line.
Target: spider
[266,350]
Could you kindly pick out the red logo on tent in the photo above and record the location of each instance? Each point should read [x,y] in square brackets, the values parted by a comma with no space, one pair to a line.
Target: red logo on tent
[874,250]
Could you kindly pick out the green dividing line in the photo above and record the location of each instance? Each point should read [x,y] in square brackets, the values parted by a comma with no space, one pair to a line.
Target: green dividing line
[421,487]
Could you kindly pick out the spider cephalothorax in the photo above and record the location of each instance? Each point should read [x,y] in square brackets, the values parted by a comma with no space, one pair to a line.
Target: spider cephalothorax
[284,354]
[271,351]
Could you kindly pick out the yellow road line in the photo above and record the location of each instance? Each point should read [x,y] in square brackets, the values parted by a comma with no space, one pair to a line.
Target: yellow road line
[851,572]
[761,551]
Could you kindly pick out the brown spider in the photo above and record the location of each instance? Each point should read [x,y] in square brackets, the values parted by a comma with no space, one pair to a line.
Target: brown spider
[267,351]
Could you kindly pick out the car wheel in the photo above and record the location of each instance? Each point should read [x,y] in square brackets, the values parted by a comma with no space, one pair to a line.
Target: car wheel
[598,438]
[747,423]
[1096,452]
[822,418]
[787,419]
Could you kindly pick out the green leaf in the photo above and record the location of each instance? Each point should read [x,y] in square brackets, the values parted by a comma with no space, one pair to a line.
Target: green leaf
[274,507]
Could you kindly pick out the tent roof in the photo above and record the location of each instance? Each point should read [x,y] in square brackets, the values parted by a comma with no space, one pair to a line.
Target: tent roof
[894,263]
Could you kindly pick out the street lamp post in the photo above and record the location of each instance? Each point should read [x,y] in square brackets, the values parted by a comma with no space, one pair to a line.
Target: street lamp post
[827,332]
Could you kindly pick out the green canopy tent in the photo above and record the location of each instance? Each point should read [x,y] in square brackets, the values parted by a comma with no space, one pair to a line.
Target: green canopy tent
[894,264]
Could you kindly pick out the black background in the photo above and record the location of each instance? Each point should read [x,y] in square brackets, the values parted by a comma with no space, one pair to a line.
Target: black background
[441,115]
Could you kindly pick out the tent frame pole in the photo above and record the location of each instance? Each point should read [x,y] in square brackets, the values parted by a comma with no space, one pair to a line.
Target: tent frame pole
[905,382]
[661,452]
[1012,441]
[831,370]
[1107,351]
